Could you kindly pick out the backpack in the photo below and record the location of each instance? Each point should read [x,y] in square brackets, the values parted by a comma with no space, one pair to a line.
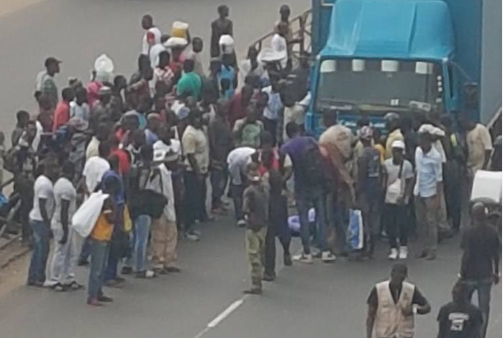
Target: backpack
[312,166]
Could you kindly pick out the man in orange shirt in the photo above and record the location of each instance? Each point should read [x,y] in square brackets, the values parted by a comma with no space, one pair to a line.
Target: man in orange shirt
[62,112]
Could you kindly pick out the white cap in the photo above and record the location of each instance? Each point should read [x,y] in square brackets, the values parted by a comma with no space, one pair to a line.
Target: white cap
[398,145]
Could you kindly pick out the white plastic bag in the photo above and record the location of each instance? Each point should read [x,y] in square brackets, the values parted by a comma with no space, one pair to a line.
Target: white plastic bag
[355,230]
[104,64]
[226,43]
[87,215]
[104,68]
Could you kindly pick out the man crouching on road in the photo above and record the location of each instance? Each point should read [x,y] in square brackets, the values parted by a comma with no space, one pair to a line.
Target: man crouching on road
[392,305]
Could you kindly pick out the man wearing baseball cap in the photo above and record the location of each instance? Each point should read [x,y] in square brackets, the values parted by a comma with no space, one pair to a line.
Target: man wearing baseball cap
[393,122]
[399,181]
[46,85]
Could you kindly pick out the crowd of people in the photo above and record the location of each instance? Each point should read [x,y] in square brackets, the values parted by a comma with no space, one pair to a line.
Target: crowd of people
[167,146]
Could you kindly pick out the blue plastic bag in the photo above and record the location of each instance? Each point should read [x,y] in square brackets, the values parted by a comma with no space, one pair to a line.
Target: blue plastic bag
[355,230]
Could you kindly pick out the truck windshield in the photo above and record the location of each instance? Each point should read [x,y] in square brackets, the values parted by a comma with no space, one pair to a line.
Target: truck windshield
[378,82]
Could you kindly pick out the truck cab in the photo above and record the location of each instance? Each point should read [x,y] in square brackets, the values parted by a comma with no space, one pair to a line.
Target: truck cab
[405,56]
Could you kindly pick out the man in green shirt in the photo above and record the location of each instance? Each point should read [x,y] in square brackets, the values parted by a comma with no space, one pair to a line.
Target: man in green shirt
[190,82]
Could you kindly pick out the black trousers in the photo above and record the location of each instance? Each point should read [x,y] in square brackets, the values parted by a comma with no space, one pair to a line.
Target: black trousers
[278,227]
[195,200]
[271,126]
[397,226]
[453,192]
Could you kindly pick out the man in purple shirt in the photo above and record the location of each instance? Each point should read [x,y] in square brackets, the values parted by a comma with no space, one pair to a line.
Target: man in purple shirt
[308,167]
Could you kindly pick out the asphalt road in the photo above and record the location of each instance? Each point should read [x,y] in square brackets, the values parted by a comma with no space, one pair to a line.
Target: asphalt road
[319,300]
[305,301]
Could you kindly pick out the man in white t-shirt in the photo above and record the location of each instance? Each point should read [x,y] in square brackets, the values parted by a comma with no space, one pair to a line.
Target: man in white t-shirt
[67,243]
[152,34]
[40,220]
[279,44]
[399,178]
[95,168]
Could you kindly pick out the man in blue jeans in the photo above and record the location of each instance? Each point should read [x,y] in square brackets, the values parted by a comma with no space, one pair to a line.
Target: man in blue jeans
[481,259]
[40,221]
[310,180]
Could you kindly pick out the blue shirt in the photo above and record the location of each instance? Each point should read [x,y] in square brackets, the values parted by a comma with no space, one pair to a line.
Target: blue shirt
[429,172]
[229,74]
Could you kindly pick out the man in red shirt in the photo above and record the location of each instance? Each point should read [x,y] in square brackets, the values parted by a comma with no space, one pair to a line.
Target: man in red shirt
[62,112]
[239,103]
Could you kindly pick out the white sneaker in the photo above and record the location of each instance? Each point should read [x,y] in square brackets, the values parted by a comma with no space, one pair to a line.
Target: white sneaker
[303,258]
[403,252]
[50,283]
[394,254]
[328,257]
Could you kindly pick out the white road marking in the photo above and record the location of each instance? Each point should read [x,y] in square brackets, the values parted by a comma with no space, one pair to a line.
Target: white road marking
[218,319]
[233,307]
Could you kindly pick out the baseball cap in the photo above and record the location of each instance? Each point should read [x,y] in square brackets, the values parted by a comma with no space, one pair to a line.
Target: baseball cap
[51,60]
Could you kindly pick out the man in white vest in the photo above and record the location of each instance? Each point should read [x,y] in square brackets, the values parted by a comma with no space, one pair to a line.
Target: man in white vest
[392,305]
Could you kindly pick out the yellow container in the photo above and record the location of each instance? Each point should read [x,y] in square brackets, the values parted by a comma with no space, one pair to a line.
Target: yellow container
[179,29]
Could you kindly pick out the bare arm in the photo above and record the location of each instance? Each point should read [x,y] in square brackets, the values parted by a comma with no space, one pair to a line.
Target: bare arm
[42,202]
[371,316]
[409,187]
[193,164]
[487,158]
[424,309]
[65,207]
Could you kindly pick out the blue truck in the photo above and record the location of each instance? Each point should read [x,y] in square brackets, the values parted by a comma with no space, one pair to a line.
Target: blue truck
[405,56]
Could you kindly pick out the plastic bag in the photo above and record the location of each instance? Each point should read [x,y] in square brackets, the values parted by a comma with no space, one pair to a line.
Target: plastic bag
[226,43]
[294,221]
[355,230]
[104,68]
[104,64]
[85,218]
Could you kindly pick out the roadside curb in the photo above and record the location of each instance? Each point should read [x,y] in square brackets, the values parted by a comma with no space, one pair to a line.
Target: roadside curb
[13,254]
